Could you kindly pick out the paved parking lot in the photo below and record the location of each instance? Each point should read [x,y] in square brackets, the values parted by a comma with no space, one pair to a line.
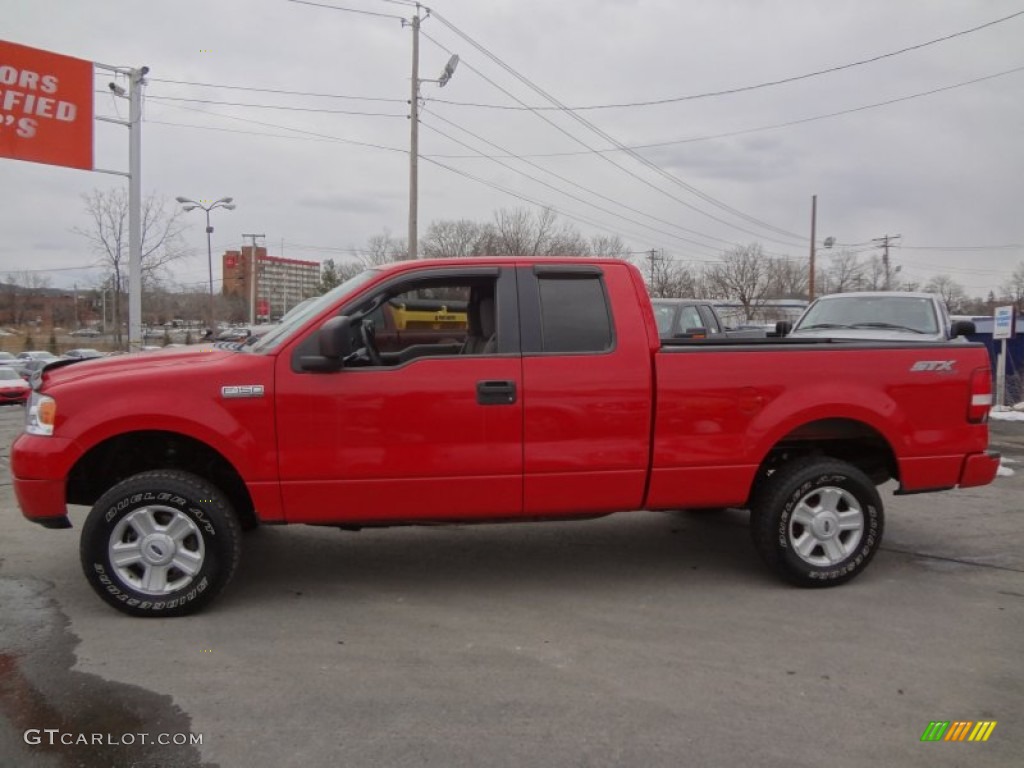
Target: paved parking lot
[635,640]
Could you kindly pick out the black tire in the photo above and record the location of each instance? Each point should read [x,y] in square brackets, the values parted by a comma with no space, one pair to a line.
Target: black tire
[817,521]
[163,524]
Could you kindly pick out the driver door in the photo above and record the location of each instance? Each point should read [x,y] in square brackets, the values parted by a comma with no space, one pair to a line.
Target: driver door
[434,434]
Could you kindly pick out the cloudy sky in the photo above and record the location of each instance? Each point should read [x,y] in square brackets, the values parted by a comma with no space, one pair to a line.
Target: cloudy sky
[312,137]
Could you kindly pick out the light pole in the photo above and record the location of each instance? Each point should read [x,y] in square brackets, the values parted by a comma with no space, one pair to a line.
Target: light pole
[191,205]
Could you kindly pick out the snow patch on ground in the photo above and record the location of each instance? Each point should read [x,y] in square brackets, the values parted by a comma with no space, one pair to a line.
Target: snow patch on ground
[1006,415]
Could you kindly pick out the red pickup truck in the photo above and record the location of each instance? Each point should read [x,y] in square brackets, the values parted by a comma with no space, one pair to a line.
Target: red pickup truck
[556,400]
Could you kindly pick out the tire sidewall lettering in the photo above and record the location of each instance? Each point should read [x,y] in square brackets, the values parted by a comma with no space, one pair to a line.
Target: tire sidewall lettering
[203,504]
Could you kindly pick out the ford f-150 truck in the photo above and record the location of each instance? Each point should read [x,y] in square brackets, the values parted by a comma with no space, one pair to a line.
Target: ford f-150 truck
[557,400]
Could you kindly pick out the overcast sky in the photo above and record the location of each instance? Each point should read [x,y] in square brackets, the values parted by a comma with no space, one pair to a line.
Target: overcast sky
[943,170]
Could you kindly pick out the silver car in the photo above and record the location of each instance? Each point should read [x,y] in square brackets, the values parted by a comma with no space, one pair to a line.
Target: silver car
[881,316]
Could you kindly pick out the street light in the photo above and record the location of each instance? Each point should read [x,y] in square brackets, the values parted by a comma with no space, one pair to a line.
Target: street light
[191,205]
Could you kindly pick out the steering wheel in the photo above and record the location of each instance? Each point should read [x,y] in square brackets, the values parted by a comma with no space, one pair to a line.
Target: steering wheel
[370,342]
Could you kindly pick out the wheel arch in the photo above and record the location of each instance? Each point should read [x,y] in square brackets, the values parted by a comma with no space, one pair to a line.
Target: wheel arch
[852,440]
[118,457]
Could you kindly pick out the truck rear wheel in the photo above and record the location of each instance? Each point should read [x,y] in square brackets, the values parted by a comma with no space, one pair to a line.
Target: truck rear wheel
[160,543]
[817,522]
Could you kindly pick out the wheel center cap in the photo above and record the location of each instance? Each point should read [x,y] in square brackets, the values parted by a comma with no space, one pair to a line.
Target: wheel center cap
[157,549]
[825,525]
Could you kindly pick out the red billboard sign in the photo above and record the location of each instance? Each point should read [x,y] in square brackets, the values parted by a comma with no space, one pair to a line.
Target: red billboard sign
[46,111]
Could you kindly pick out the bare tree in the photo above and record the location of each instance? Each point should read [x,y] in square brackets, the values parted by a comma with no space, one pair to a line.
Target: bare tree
[333,274]
[1013,288]
[787,279]
[742,276]
[670,279]
[107,234]
[451,239]
[383,249]
[950,290]
[520,233]
[844,273]
[608,246]
[876,278]
[19,290]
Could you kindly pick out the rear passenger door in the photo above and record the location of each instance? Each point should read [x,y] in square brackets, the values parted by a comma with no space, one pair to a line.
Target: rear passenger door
[587,389]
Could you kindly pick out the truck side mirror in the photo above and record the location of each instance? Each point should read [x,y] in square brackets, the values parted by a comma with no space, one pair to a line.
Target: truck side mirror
[335,342]
[961,328]
[783,327]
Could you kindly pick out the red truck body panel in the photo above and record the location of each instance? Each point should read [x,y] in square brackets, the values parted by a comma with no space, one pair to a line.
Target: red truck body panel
[634,426]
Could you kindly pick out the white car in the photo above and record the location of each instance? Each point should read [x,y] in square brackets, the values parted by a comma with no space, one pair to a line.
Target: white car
[878,316]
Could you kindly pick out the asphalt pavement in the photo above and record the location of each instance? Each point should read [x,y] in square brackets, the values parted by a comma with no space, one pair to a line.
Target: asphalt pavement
[639,639]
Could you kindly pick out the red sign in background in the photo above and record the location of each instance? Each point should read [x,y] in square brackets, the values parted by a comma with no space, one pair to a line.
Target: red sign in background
[46,113]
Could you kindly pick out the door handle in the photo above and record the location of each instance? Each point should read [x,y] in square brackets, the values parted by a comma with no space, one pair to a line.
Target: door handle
[490,392]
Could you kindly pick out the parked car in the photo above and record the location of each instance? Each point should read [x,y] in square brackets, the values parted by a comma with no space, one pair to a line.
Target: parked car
[83,354]
[89,332]
[36,355]
[557,403]
[696,319]
[6,358]
[878,316]
[25,368]
[13,388]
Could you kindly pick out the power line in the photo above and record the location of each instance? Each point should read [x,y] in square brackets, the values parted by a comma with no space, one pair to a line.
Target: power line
[279,91]
[585,202]
[774,126]
[639,158]
[347,10]
[1006,247]
[275,106]
[746,88]
[589,191]
[284,128]
[541,204]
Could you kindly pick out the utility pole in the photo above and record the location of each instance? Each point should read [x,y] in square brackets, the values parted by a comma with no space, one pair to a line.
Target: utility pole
[253,278]
[814,223]
[886,241]
[414,127]
[651,254]
[414,140]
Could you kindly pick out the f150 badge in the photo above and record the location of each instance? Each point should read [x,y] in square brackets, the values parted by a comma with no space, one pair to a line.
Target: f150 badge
[242,390]
[934,365]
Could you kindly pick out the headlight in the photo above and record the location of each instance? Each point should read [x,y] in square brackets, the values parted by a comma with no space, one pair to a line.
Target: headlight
[41,415]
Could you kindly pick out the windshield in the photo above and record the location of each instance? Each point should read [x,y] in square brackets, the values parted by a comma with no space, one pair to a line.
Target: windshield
[914,314]
[303,313]
[663,316]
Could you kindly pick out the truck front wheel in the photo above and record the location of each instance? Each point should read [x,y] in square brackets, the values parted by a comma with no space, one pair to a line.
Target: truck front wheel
[160,543]
[817,522]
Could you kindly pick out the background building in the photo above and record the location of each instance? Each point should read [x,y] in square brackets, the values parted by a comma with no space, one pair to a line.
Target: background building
[280,283]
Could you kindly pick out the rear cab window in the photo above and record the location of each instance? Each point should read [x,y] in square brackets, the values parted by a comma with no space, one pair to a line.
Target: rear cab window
[566,311]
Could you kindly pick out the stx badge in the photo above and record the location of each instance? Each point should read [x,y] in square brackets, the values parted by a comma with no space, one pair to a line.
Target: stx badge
[934,365]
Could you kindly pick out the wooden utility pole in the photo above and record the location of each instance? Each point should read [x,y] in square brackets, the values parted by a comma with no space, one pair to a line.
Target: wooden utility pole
[814,222]
[886,240]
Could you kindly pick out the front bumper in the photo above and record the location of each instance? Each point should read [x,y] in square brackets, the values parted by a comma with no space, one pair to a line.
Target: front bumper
[39,469]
